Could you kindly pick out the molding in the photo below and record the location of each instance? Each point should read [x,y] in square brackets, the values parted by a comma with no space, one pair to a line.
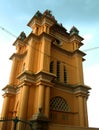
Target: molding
[42,77]
[26,76]
[8,89]
[69,53]
[45,76]
[18,55]
[81,90]
[79,52]
[76,37]
[78,89]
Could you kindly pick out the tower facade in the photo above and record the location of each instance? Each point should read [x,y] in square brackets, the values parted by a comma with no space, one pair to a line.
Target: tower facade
[47,73]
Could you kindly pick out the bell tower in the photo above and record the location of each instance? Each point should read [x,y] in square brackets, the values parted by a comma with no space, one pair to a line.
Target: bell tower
[47,73]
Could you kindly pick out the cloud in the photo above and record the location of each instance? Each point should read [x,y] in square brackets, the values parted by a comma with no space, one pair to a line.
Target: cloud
[88,37]
[90,74]
[92,80]
[74,12]
[83,11]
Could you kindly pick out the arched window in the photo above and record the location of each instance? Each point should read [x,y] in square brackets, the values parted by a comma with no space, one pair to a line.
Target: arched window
[58,70]
[65,75]
[51,66]
[59,104]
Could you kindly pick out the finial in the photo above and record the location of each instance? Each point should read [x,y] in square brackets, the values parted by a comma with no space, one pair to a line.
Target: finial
[74,30]
[22,36]
[38,14]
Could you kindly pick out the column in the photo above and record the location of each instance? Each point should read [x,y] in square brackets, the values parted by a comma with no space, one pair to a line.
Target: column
[79,69]
[30,54]
[5,110]
[13,71]
[45,54]
[85,111]
[81,110]
[41,96]
[23,105]
[47,101]
[24,102]
[5,105]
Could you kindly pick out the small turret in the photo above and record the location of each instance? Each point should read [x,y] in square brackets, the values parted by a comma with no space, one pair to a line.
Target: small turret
[22,36]
[38,14]
[74,30]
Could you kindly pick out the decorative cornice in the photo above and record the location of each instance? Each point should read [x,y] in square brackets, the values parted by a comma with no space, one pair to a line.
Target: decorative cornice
[39,37]
[81,90]
[45,76]
[18,55]
[76,37]
[78,89]
[79,52]
[70,53]
[38,78]
[26,76]
[8,89]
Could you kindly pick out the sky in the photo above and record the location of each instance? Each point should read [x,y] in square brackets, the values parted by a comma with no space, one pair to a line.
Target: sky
[84,14]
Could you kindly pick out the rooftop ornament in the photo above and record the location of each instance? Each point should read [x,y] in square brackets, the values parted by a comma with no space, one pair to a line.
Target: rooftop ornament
[22,36]
[74,30]
[38,14]
[48,13]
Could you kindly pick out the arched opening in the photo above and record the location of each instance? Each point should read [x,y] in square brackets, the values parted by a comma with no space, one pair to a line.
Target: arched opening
[59,104]
[59,110]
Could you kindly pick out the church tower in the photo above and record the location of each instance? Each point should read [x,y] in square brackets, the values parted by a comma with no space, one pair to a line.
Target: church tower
[47,73]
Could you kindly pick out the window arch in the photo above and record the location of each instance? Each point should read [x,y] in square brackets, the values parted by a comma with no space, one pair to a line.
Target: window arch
[59,104]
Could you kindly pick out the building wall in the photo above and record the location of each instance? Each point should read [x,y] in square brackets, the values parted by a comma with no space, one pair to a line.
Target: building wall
[33,84]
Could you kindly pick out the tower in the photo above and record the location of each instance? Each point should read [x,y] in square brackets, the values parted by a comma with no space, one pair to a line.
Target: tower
[47,73]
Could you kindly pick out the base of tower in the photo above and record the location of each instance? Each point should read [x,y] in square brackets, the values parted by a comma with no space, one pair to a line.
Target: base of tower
[65,127]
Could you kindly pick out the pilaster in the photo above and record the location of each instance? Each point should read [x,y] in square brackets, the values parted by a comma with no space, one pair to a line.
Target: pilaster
[81,111]
[5,105]
[85,111]
[47,101]
[81,92]
[23,101]
[13,69]
[22,114]
[5,109]
[9,92]
[41,96]
[45,52]
[30,55]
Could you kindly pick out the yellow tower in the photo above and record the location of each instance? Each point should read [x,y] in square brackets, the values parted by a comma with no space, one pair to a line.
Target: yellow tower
[47,73]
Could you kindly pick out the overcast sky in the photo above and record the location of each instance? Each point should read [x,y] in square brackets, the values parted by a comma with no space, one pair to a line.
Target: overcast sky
[84,14]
